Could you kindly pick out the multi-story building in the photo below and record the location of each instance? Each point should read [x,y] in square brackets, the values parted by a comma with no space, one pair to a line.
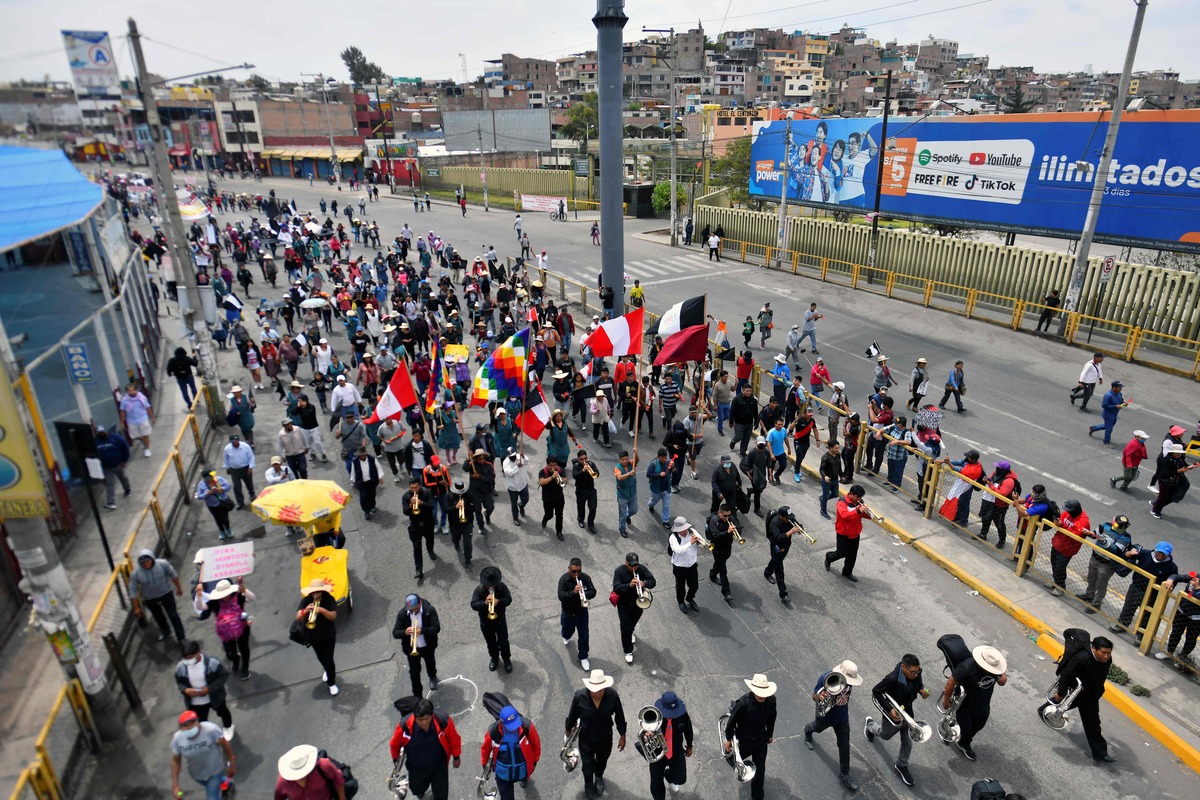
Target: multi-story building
[939,56]
[525,73]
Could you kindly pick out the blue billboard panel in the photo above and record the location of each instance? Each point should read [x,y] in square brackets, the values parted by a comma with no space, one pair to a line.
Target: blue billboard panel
[1030,173]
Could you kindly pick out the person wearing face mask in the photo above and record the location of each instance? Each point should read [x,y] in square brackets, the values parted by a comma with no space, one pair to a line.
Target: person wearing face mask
[1161,566]
[209,758]
[201,680]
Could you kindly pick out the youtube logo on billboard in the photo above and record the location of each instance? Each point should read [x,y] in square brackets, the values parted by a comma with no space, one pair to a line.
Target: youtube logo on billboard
[978,158]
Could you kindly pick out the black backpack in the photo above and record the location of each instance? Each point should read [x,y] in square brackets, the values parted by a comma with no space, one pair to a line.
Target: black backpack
[1053,512]
[987,789]
[351,782]
[771,515]
[1075,640]
[954,649]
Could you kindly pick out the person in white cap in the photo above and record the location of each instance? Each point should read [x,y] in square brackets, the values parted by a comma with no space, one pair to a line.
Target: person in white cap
[297,781]
[1131,460]
[752,722]
[596,708]
[978,675]
[838,717]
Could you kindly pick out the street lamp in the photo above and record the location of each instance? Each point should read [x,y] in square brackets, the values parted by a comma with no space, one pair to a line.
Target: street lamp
[326,84]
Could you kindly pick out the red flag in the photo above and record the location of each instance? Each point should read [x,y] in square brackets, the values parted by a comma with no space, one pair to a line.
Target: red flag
[618,337]
[398,396]
[690,344]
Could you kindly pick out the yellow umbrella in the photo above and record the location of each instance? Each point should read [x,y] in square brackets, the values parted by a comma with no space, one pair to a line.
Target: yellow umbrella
[300,503]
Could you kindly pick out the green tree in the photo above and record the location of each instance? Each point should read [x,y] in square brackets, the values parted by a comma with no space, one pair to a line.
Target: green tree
[1015,101]
[581,117]
[362,72]
[732,170]
[258,82]
[661,198]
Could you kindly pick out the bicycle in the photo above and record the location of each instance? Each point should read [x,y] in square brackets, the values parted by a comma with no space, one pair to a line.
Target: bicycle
[558,216]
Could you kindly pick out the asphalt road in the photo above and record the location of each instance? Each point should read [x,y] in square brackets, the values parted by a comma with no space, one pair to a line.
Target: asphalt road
[902,604]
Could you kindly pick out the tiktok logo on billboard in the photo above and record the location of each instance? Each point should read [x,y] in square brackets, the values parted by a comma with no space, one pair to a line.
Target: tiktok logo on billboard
[970,184]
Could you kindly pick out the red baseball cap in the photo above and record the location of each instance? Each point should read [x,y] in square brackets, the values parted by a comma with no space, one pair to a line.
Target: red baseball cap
[435,461]
[188,716]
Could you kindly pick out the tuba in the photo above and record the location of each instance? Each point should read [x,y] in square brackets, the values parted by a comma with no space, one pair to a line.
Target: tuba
[644,598]
[834,685]
[1055,714]
[742,771]
[487,789]
[397,782]
[650,742]
[918,731]
[948,728]
[570,753]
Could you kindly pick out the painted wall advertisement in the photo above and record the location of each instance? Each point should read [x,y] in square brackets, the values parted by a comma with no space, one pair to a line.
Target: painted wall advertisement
[22,493]
[1029,173]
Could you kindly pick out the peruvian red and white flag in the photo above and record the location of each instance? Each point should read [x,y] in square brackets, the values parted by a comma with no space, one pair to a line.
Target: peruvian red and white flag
[618,337]
[399,395]
[960,489]
[536,416]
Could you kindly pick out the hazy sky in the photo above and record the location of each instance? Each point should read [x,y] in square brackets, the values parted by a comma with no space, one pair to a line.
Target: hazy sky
[425,38]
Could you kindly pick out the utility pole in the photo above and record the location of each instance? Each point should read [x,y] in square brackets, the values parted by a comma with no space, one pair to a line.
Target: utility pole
[610,20]
[1083,250]
[785,173]
[674,143]
[181,259]
[55,613]
[887,108]
[383,124]
[482,166]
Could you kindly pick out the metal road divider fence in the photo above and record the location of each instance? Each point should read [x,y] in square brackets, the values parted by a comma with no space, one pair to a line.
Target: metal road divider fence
[69,732]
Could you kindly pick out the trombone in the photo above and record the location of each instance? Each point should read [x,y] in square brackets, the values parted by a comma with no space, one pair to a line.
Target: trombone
[491,606]
[918,731]
[644,598]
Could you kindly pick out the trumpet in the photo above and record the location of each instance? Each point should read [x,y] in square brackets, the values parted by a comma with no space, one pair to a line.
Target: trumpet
[588,468]
[736,533]
[416,503]
[1055,714]
[650,742]
[487,789]
[558,476]
[583,599]
[397,782]
[491,606]
[644,598]
[702,541]
[800,529]
[413,638]
[878,519]
[570,753]
[918,731]
[311,622]
[948,728]
[462,511]
[743,772]
[834,685]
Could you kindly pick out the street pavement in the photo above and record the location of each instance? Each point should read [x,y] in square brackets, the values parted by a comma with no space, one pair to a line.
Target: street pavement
[902,604]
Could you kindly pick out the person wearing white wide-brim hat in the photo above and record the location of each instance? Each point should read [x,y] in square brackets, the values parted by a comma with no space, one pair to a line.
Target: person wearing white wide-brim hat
[838,717]
[596,708]
[751,721]
[978,676]
[301,766]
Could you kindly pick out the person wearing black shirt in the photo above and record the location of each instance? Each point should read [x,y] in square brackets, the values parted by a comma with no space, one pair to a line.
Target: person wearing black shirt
[978,676]
[574,587]
[766,418]
[837,717]
[629,401]
[627,579]
[552,494]
[720,532]
[903,684]
[830,472]
[584,475]
[482,486]
[419,617]
[493,597]
[418,507]
[460,519]
[677,735]
[1090,667]
[726,485]
[1051,303]
[751,721]
[743,413]
[677,441]
[755,464]
[322,638]
[779,533]
[1161,566]
[595,709]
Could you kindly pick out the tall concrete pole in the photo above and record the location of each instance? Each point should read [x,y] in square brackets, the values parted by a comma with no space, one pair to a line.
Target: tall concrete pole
[610,20]
[181,258]
[1079,271]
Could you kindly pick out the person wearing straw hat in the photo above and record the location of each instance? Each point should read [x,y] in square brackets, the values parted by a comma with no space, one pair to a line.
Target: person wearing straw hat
[482,486]
[671,770]
[596,708]
[752,722]
[322,638]
[210,759]
[978,675]
[492,597]
[303,775]
[226,603]
[838,717]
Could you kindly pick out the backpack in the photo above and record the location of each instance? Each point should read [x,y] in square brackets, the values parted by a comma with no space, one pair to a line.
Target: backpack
[1017,487]
[1075,640]
[987,789]
[1054,512]
[230,624]
[954,649]
[771,515]
[350,782]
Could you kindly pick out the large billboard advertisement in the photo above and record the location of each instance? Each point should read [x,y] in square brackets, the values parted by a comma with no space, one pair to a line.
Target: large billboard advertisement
[1029,173]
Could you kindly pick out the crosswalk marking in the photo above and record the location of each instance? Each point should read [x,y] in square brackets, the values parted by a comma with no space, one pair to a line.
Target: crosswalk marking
[673,268]
[689,263]
[644,267]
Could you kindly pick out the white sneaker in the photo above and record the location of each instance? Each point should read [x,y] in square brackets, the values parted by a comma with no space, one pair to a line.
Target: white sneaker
[674,787]
[566,642]
[325,677]
[1161,656]
[228,732]
[587,665]
[333,689]
[146,453]
[629,658]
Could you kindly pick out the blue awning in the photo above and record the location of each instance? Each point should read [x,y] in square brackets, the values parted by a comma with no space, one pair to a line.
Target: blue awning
[41,193]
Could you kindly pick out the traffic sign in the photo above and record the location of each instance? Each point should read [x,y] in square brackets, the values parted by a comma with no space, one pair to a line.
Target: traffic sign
[1107,269]
[79,366]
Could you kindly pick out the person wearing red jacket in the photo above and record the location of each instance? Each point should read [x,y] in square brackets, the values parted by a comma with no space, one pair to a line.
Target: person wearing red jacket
[1063,547]
[1131,459]
[429,741]
[819,378]
[1003,482]
[513,746]
[848,525]
[745,367]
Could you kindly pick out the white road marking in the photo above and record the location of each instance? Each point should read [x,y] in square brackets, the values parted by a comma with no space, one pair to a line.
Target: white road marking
[670,267]
[695,277]
[647,268]
[1099,498]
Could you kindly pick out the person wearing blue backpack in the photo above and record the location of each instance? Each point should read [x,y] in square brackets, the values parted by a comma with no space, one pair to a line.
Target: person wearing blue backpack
[513,747]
